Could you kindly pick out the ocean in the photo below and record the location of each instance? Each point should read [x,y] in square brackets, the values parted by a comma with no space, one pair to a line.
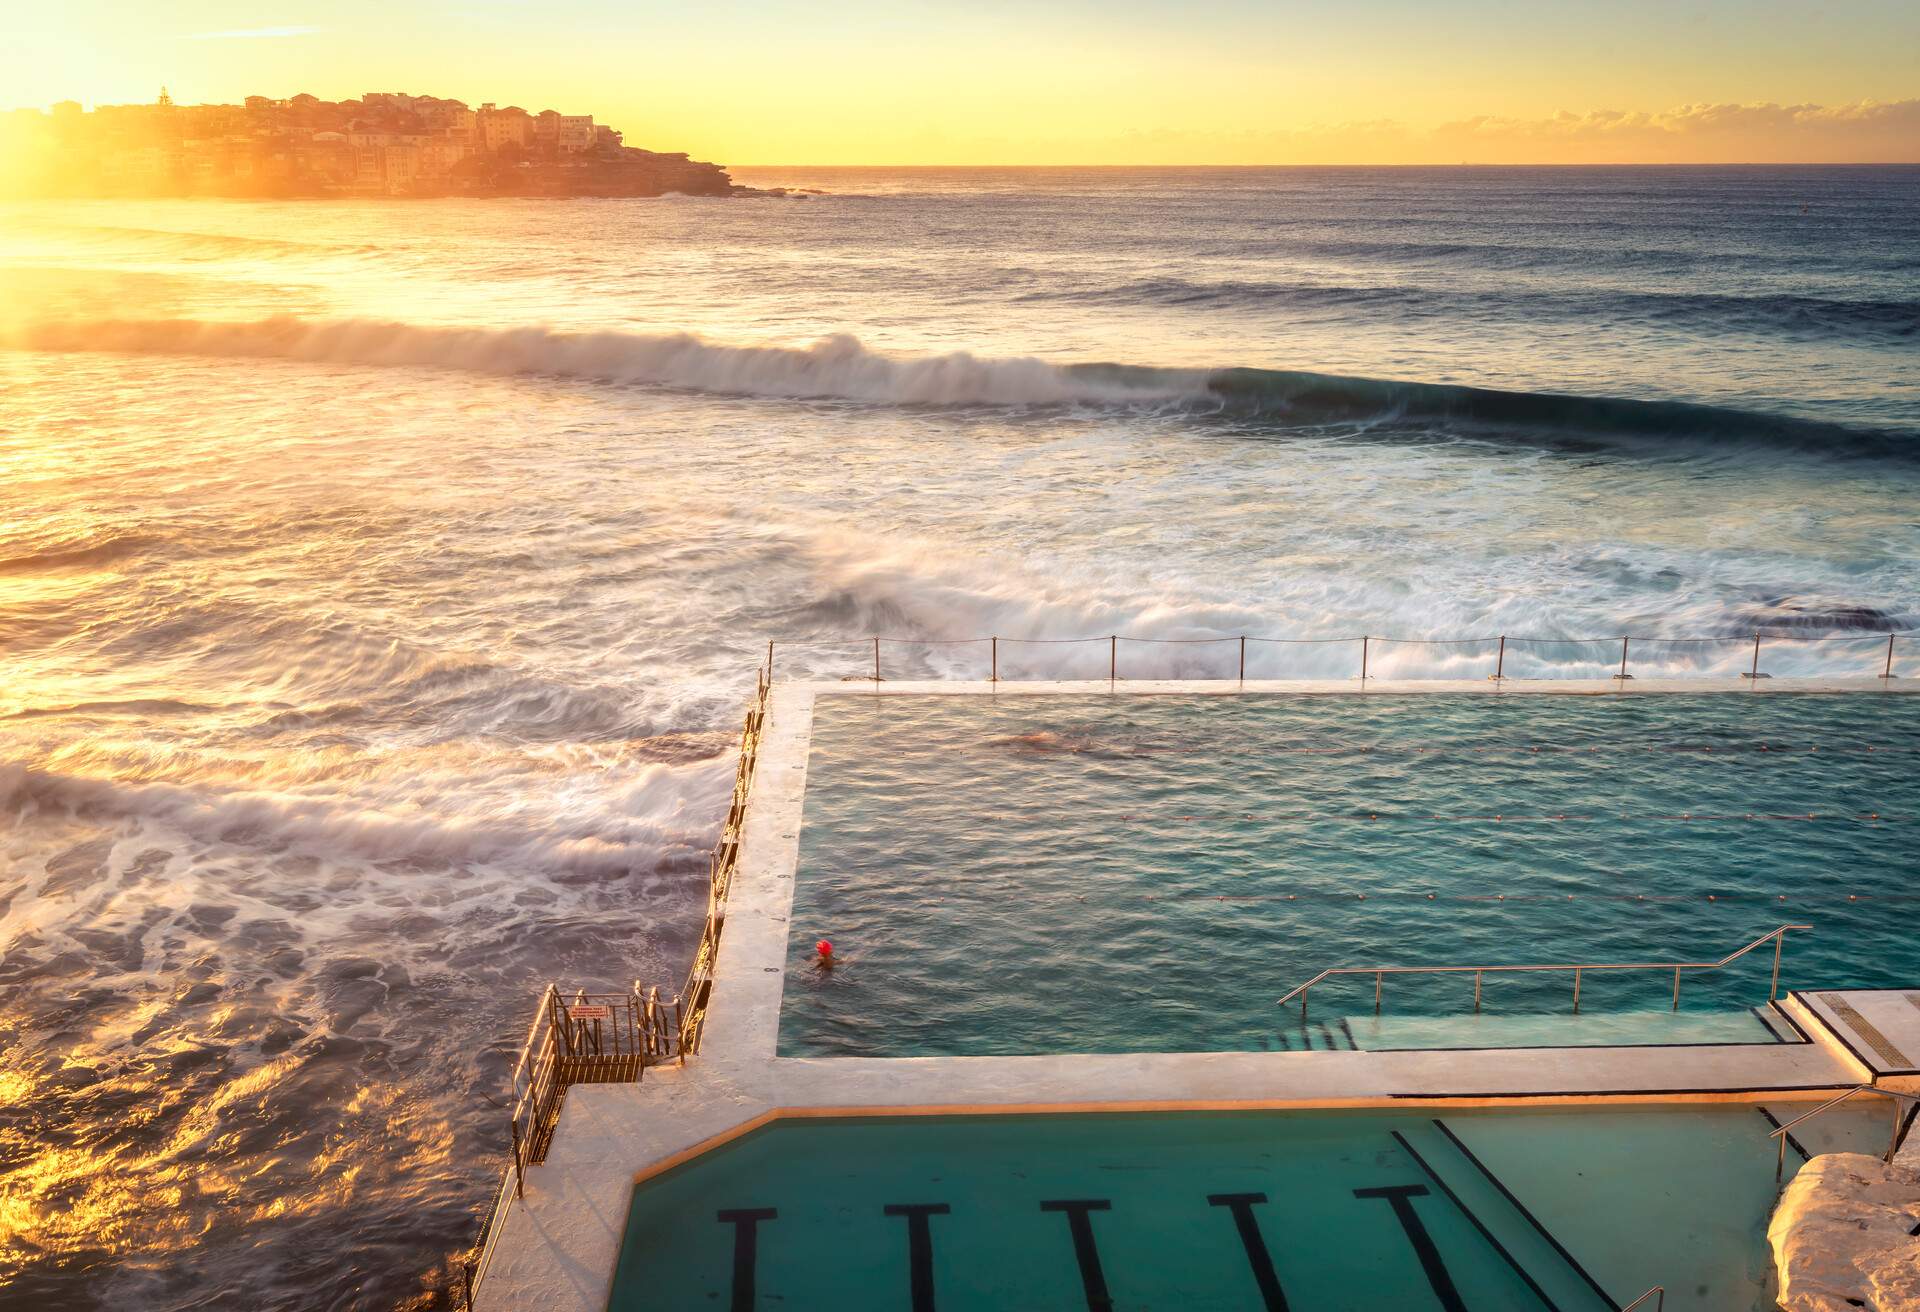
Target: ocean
[381,583]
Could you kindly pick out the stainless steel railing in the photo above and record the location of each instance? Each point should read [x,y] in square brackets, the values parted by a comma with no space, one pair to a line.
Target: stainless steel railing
[1897,1097]
[1776,936]
[1659,1296]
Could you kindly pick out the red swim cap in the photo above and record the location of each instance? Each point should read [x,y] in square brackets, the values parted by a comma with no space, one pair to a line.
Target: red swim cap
[824,948]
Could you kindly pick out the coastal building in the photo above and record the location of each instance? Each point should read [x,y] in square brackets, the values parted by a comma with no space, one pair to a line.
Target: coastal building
[500,128]
[388,143]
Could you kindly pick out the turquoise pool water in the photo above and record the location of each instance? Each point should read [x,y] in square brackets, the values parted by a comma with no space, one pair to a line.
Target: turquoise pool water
[1316,1212]
[1145,873]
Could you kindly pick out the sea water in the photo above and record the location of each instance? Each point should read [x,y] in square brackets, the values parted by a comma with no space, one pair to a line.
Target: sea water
[380,583]
[1029,874]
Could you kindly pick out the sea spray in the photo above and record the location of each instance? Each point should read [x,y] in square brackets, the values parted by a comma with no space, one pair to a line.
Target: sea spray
[837,366]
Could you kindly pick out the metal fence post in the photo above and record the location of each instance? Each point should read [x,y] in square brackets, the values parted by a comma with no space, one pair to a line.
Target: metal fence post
[1243,656]
[1755,672]
[518,1190]
[769,660]
[1888,672]
[996,659]
[876,658]
[1500,664]
[1363,656]
[1623,660]
[1113,657]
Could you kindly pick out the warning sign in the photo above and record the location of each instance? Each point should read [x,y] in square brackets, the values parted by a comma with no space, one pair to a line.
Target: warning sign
[584,1011]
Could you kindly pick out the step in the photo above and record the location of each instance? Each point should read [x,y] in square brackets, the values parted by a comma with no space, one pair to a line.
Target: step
[1546,1266]
[1592,1029]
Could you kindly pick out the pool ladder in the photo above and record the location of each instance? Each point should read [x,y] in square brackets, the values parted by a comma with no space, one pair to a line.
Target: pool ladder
[1776,936]
[1906,1106]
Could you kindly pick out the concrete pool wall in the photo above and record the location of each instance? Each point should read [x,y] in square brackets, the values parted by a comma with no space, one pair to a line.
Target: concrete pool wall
[556,1248]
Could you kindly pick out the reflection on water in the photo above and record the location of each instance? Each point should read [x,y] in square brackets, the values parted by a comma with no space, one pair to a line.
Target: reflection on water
[359,681]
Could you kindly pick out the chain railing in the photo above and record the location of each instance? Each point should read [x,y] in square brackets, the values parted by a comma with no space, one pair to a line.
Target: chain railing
[1368,648]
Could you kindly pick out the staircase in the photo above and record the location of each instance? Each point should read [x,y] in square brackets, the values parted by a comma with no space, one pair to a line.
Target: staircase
[1543,1264]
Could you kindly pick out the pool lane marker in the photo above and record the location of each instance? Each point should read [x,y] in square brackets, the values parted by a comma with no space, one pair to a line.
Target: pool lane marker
[746,1234]
[1085,1252]
[919,1249]
[1478,1224]
[1255,1243]
[1400,1197]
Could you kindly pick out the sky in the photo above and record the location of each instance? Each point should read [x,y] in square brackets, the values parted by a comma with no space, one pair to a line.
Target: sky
[746,82]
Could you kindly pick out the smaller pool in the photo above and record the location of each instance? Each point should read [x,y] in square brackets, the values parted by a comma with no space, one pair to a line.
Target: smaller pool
[1310,1211]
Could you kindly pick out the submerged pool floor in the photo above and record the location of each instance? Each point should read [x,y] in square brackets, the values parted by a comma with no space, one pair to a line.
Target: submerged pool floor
[1311,1211]
[1149,873]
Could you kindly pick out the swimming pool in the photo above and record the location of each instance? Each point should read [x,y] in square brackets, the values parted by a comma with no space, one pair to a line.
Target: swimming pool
[1057,873]
[1315,1211]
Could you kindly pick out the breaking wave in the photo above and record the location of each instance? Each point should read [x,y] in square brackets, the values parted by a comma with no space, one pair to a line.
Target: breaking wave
[841,367]
[838,367]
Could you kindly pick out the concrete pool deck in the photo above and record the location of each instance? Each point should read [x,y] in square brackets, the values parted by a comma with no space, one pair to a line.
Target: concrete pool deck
[556,1248]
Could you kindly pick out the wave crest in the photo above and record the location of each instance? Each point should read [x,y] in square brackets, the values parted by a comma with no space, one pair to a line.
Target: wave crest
[836,367]
[841,367]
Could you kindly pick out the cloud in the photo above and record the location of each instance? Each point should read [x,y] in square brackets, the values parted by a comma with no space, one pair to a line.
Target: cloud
[244,33]
[1866,130]
[1863,132]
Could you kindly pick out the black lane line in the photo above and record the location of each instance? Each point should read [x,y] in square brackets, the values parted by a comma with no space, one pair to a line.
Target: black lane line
[1256,1245]
[1478,1224]
[1092,1279]
[919,1249]
[1792,1142]
[1400,1197]
[1521,1208]
[1351,1041]
[746,1233]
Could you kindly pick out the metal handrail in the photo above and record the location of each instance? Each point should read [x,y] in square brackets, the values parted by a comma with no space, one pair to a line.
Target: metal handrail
[1777,935]
[1900,1123]
[721,866]
[1659,1296]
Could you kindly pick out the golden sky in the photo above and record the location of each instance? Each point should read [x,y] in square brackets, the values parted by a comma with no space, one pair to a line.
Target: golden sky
[1055,81]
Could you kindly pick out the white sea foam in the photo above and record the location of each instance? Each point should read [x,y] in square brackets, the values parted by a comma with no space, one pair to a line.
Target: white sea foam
[651,815]
[839,366]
